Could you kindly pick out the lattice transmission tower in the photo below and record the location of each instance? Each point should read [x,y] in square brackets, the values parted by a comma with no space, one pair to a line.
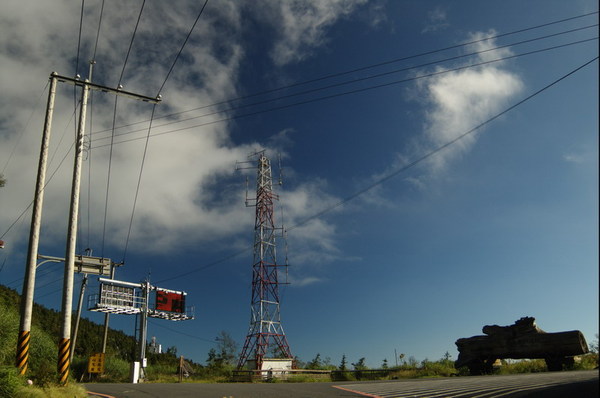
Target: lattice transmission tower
[265,335]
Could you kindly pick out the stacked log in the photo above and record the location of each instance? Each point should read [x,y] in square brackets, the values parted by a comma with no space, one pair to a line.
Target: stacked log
[523,340]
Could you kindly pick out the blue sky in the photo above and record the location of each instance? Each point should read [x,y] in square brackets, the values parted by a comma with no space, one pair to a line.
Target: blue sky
[499,225]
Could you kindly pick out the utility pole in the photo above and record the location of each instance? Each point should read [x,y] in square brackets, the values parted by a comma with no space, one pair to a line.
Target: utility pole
[34,237]
[146,287]
[64,346]
[29,280]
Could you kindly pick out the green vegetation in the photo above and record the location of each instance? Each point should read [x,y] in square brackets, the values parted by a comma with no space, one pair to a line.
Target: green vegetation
[165,367]
[43,352]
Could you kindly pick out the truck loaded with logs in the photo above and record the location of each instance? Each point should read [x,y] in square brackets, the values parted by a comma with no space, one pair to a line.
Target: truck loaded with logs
[522,340]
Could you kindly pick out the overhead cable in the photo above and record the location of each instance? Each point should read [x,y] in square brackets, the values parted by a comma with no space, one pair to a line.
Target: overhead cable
[333,75]
[349,92]
[113,130]
[137,189]
[397,171]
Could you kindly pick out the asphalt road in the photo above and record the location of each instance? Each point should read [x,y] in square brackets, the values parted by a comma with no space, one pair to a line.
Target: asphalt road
[581,384]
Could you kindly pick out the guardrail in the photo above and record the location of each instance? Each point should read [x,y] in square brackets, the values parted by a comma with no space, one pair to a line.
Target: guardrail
[249,376]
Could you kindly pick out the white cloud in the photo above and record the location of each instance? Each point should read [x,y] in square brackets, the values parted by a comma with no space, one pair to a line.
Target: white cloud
[302,25]
[188,192]
[436,20]
[301,282]
[460,100]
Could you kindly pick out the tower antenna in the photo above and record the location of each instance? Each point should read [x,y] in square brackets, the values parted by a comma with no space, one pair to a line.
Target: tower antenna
[265,335]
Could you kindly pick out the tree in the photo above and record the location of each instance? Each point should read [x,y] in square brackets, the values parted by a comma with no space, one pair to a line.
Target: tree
[172,351]
[300,364]
[594,345]
[343,364]
[384,365]
[227,348]
[316,363]
[360,365]
[213,359]
[412,362]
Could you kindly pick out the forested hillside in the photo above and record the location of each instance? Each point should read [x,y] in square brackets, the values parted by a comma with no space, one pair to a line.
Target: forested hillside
[43,350]
[89,339]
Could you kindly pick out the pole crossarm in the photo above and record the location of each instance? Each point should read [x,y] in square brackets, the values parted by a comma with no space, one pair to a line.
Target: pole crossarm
[84,264]
[106,89]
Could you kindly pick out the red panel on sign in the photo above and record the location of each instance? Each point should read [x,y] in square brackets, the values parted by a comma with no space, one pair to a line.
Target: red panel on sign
[170,302]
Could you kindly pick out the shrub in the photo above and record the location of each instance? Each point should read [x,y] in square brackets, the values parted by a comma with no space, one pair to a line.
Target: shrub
[586,362]
[436,369]
[9,321]
[72,390]
[162,372]
[44,374]
[524,366]
[43,352]
[116,370]
[10,381]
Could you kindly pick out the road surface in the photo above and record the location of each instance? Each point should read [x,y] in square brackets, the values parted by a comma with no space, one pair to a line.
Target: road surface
[581,384]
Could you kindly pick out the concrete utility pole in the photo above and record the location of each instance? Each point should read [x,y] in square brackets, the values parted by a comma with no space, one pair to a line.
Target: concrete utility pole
[29,282]
[144,328]
[34,237]
[64,346]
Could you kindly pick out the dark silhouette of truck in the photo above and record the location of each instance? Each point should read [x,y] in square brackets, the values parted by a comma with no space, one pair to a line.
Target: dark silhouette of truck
[521,340]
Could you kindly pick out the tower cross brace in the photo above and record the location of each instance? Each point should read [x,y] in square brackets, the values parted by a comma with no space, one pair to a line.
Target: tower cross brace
[265,329]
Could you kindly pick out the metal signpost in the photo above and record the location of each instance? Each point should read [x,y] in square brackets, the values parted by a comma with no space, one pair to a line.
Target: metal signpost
[127,298]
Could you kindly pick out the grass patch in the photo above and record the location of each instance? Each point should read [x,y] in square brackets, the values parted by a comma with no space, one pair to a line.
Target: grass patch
[72,391]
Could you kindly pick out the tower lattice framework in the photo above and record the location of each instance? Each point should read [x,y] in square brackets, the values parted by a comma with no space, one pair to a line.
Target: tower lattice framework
[265,335]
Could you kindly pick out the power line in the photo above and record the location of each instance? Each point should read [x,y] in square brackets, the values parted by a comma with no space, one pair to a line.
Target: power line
[131,42]
[438,149]
[89,186]
[22,131]
[79,36]
[401,169]
[318,99]
[45,185]
[340,84]
[309,101]
[113,130]
[333,75]
[349,92]
[182,47]
[137,190]
[98,31]
[181,333]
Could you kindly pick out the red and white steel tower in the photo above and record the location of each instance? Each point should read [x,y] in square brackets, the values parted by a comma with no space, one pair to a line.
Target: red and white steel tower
[265,335]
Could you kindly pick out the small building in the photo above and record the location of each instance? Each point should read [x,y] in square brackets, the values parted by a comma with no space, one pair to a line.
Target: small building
[273,367]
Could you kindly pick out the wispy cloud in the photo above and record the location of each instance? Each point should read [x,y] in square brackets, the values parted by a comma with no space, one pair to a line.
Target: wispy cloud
[301,26]
[460,100]
[436,20]
[304,281]
[188,193]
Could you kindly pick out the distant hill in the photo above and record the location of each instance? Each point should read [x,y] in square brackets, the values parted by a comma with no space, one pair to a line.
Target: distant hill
[89,338]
